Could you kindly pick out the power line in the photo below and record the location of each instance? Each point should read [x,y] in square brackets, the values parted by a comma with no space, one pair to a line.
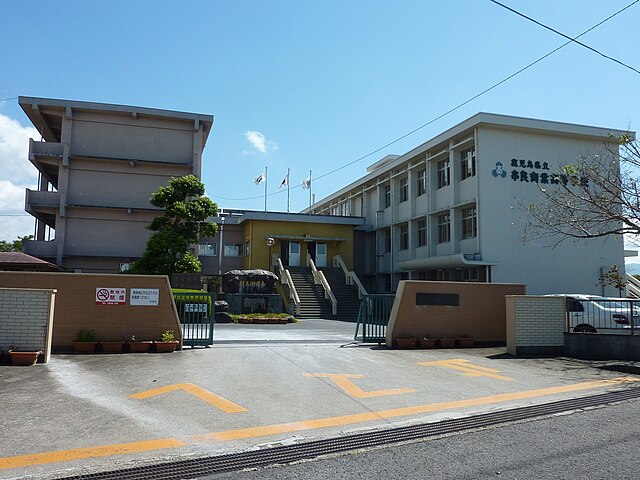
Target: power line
[15,98]
[460,105]
[568,37]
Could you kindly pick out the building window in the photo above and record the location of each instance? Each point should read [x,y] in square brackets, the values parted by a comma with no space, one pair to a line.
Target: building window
[444,228]
[444,171]
[404,237]
[422,233]
[247,248]
[468,162]
[232,249]
[404,190]
[387,196]
[387,241]
[207,249]
[469,222]
[422,182]
[344,209]
[334,210]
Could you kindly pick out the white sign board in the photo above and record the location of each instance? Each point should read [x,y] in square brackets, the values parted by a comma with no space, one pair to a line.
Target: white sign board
[196,307]
[111,296]
[145,296]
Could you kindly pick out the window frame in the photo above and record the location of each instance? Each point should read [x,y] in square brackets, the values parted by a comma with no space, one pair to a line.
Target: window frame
[421,182]
[444,227]
[239,247]
[404,189]
[421,229]
[468,163]
[443,168]
[403,237]
[211,245]
[469,222]
[387,196]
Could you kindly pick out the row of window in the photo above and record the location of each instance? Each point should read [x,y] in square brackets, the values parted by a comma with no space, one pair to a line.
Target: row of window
[210,249]
[469,226]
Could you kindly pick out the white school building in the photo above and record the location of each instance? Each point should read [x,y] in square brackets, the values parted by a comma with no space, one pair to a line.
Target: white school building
[452,209]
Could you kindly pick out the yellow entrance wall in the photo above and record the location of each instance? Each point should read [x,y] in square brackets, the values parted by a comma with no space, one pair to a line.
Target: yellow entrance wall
[257,232]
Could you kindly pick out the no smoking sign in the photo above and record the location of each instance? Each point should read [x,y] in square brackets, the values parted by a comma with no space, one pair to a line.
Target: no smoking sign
[111,296]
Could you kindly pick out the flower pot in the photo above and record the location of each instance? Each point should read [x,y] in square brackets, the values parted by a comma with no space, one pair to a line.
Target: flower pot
[447,342]
[24,358]
[111,347]
[139,347]
[426,342]
[465,342]
[166,347]
[406,343]
[84,347]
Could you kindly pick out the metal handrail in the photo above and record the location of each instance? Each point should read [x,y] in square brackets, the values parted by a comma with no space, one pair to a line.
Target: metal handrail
[633,286]
[350,276]
[320,279]
[285,279]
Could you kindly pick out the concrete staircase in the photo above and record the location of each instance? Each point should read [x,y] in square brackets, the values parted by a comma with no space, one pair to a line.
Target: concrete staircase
[347,295]
[312,301]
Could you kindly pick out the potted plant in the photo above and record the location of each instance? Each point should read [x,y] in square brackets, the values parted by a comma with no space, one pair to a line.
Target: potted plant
[85,342]
[167,343]
[112,347]
[137,346]
[406,341]
[465,341]
[427,342]
[19,357]
[447,342]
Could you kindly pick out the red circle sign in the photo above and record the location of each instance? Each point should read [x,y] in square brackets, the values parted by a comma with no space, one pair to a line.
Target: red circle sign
[102,294]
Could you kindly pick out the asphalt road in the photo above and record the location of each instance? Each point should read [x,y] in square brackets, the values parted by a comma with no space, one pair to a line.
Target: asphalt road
[602,443]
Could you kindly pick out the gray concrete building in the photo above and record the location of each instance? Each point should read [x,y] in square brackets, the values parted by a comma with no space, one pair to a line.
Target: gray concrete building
[98,164]
[451,209]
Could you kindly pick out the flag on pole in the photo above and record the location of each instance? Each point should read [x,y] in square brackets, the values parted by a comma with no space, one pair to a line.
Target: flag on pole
[306,184]
[285,181]
[260,178]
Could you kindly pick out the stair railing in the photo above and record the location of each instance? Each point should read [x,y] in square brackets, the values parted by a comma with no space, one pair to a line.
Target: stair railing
[350,276]
[633,286]
[320,279]
[285,279]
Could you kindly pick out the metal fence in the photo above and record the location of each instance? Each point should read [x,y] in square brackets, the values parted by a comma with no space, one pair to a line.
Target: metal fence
[602,315]
[196,312]
[373,318]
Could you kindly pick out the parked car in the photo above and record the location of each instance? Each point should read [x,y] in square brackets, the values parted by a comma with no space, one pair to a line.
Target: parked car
[595,314]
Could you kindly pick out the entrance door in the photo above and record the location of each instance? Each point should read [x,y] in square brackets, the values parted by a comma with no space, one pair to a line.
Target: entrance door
[294,254]
[321,254]
[311,251]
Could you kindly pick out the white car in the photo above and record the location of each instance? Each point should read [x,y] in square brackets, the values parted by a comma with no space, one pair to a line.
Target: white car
[595,314]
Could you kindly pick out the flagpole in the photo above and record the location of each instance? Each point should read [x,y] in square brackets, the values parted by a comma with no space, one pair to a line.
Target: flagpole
[310,188]
[288,188]
[266,179]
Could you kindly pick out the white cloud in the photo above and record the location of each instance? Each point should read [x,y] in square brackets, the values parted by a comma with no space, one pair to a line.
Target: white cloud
[16,174]
[260,142]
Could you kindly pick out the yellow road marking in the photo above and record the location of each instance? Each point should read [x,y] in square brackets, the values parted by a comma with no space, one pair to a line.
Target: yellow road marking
[253,432]
[209,397]
[90,452]
[342,380]
[467,368]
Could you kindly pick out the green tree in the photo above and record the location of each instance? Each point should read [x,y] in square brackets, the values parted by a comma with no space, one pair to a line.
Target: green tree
[15,246]
[184,220]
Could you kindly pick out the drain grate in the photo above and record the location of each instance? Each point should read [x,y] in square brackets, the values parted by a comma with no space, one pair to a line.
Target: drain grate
[200,467]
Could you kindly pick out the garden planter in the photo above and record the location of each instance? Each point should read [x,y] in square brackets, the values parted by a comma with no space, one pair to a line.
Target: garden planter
[406,343]
[426,342]
[24,358]
[139,347]
[84,347]
[447,342]
[465,342]
[111,347]
[166,347]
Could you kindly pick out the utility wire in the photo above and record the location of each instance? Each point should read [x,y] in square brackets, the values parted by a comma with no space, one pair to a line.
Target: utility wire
[568,37]
[15,98]
[460,105]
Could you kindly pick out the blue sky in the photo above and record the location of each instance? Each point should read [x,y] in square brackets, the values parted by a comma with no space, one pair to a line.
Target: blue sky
[320,84]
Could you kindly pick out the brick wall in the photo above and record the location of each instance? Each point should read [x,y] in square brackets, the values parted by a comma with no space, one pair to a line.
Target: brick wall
[480,313]
[76,307]
[26,317]
[535,325]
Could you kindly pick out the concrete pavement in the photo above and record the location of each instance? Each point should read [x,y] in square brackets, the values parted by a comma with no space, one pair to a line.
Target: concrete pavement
[258,385]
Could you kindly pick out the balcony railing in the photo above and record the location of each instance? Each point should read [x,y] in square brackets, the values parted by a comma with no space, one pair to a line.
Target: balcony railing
[49,149]
[37,198]
[39,248]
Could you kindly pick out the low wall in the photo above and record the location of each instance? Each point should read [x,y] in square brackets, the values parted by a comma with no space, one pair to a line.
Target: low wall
[535,325]
[451,309]
[594,346]
[26,320]
[79,308]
